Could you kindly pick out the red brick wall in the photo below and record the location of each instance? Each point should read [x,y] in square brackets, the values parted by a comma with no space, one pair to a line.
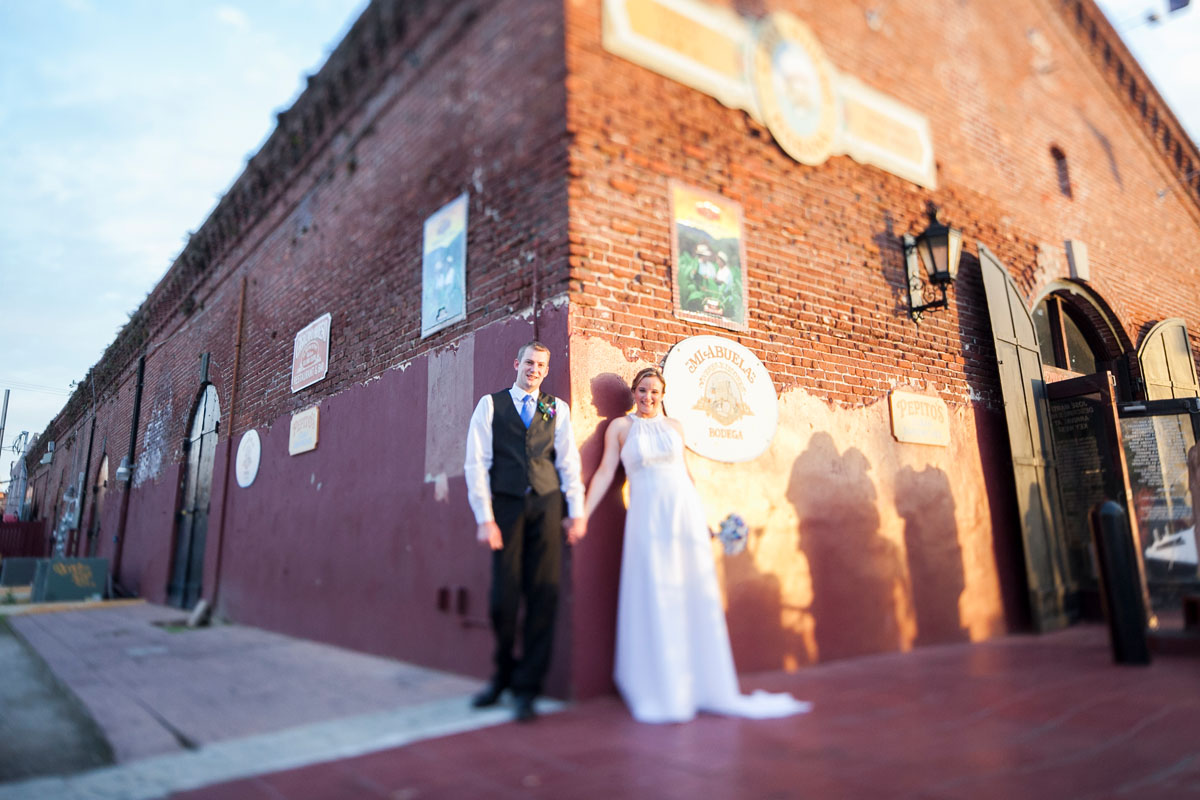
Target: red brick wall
[822,242]
[824,265]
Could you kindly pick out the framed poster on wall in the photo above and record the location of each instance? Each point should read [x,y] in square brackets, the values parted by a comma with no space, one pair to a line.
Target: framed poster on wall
[444,267]
[708,257]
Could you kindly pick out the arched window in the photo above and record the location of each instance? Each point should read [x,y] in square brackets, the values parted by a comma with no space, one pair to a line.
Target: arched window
[1061,337]
[1078,335]
[1165,357]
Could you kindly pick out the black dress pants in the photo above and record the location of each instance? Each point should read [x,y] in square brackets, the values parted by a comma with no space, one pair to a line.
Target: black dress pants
[526,568]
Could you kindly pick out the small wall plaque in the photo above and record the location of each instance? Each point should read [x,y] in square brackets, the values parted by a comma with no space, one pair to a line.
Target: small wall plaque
[920,419]
[303,434]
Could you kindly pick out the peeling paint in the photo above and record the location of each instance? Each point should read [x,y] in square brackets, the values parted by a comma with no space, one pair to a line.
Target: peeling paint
[449,402]
[154,447]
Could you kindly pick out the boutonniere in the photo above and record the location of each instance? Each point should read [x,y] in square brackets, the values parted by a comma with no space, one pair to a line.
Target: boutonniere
[547,408]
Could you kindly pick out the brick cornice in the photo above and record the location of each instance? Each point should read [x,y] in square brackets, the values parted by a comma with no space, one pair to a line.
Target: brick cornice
[1135,91]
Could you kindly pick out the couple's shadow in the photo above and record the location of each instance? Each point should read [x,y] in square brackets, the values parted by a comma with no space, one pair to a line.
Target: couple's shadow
[856,571]
[595,585]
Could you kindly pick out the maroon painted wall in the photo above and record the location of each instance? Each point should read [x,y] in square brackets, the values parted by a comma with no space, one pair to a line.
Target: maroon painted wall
[350,543]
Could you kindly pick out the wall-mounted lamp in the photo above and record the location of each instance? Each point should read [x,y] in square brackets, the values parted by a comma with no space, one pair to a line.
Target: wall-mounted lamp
[938,247]
[125,471]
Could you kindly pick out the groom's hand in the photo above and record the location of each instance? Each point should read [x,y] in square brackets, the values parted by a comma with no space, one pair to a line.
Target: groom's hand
[489,533]
[576,528]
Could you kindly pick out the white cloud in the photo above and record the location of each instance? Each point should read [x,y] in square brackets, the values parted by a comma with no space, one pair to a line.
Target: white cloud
[233,17]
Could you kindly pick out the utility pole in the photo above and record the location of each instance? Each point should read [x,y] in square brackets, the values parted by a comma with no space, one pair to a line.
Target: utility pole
[3,417]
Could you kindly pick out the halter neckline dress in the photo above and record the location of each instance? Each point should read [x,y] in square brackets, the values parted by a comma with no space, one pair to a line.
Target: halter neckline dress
[673,657]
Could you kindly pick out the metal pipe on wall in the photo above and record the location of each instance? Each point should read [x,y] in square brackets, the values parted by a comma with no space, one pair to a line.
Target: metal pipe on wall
[83,492]
[133,432]
[237,361]
[87,463]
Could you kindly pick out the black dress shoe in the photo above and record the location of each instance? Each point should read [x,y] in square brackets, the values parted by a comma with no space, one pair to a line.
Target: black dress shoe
[525,711]
[488,697]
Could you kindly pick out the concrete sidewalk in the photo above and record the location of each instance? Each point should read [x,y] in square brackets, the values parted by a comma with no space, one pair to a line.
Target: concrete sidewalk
[183,708]
[232,712]
[1028,718]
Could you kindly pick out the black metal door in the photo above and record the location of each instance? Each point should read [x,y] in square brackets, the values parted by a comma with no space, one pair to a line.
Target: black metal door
[187,565]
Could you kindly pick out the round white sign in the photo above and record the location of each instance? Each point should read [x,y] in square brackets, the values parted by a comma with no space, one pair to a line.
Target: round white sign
[724,397]
[248,453]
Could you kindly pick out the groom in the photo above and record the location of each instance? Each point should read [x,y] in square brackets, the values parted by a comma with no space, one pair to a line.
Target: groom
[521,458]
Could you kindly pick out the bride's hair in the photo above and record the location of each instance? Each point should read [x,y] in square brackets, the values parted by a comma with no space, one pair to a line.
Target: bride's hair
[646,373]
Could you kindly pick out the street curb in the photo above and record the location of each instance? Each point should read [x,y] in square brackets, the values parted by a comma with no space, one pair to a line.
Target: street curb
[160,776]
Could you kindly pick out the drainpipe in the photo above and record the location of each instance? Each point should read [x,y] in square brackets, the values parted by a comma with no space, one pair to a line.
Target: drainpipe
[87,465]
[237,361]
[133,431]
[83,492]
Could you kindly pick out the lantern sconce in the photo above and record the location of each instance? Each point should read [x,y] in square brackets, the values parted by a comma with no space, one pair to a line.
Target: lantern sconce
[938,249]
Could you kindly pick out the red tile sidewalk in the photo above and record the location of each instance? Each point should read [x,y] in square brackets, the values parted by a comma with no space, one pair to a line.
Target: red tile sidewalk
[1020,717]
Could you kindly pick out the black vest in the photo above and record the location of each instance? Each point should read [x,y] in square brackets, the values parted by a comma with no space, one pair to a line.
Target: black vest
[522,458]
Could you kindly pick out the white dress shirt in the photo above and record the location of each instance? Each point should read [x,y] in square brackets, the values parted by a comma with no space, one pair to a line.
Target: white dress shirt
[479,456]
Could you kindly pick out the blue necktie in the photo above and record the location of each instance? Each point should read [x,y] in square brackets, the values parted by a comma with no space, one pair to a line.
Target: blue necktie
[527,410]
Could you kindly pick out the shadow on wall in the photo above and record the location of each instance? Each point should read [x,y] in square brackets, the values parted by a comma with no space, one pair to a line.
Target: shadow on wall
[594,588]
[757,634]
[856,573]
[935,565]
[611,398]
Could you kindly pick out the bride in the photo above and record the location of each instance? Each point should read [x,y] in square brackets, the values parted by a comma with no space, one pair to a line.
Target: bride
[673,657]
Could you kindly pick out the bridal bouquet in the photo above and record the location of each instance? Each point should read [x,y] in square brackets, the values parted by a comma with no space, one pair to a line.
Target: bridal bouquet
[732,534]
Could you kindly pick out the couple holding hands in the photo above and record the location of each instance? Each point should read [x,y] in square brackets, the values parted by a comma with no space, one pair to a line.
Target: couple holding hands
[673,657]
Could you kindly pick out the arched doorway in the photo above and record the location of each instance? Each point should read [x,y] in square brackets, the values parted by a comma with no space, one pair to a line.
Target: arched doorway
[187,564]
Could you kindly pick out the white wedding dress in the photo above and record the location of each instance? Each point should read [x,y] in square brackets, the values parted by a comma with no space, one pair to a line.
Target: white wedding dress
[673,656]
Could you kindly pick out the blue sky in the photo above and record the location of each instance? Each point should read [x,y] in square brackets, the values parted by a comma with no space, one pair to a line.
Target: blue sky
[123,121]
[121,124]
[1168,51]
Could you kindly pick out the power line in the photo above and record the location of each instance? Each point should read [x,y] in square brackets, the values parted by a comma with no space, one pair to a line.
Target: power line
[33,387]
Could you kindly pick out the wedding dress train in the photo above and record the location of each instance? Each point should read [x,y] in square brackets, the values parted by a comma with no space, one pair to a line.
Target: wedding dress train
[673,656]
